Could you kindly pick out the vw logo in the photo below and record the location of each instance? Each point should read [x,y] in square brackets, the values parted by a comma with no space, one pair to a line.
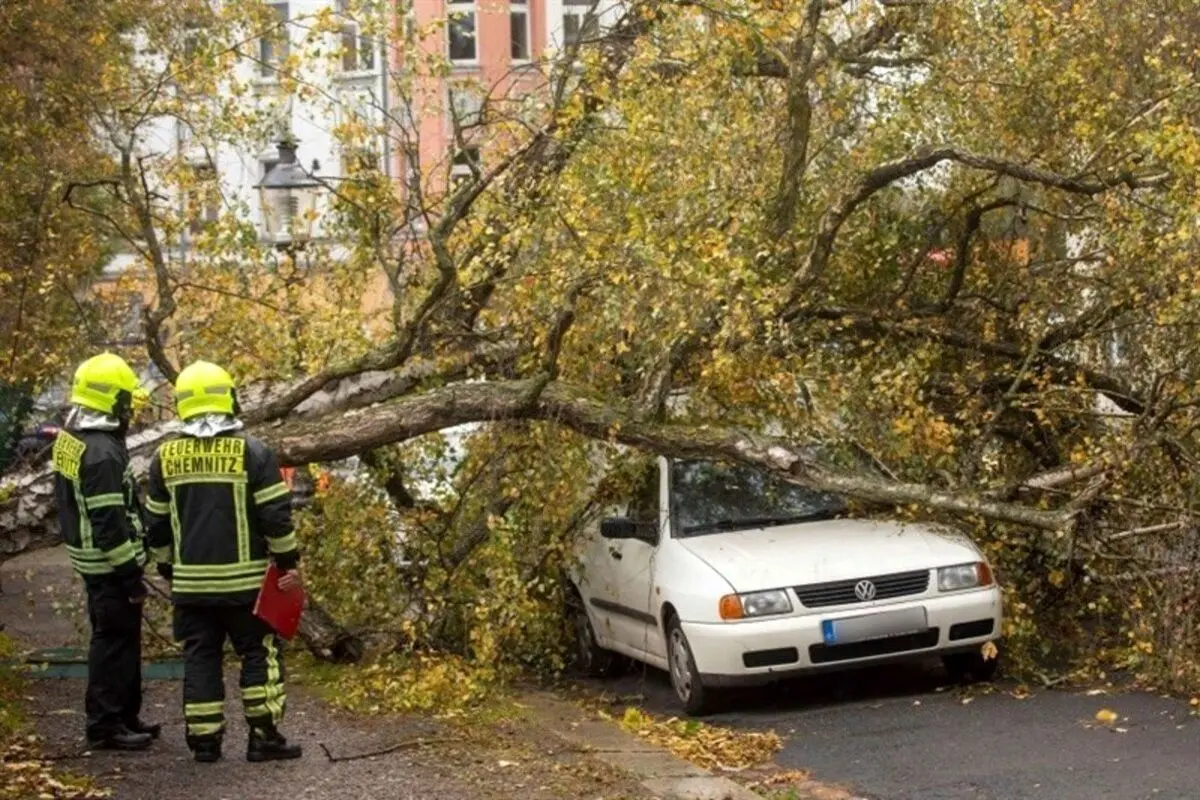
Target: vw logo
[864,590]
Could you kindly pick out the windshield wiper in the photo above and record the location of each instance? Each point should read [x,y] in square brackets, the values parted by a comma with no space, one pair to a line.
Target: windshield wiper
[763,522]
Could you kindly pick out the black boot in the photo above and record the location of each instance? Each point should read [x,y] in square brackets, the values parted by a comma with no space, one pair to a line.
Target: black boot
[268,744]
[205,749]
[151,728]
[121,739]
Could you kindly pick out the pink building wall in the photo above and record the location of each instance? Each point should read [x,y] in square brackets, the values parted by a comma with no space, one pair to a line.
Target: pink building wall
[494,69]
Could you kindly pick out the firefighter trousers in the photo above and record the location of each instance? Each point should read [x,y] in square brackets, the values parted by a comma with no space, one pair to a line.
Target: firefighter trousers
[203,630]
[114,688]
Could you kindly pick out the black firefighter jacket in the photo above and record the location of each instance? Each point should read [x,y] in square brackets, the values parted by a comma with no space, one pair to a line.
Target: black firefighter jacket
[98,508]
[218,510]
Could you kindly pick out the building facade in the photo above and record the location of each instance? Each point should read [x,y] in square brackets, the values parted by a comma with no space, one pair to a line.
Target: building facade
[422,82]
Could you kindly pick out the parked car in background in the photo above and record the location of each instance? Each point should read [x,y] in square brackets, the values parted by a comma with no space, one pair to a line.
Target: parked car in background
[725,575]
[24,443]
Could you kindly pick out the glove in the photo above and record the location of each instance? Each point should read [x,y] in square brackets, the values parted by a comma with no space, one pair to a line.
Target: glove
[166,571]
[135,590]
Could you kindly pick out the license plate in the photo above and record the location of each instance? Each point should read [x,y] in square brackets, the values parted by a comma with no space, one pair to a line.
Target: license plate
[882,625]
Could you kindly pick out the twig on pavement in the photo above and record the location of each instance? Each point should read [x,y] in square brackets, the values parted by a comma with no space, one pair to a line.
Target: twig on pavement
[65,756]
[405,745]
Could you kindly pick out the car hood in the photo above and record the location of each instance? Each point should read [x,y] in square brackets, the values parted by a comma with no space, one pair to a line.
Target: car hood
[815,552]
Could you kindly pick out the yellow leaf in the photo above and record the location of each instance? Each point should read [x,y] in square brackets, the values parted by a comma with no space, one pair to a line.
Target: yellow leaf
[1106,716]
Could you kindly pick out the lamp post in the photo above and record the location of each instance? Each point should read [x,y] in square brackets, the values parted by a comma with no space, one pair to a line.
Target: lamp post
[288,197]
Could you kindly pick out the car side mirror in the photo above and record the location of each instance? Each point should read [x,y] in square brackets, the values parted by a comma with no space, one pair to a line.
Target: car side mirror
[618,528]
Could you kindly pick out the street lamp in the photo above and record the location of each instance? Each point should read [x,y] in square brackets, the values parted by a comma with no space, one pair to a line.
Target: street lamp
[288,198]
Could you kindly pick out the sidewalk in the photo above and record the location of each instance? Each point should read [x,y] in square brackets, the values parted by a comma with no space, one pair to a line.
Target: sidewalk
[503,760]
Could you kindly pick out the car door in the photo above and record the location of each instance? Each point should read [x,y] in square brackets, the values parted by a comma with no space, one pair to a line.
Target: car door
[597,581]
[632,563]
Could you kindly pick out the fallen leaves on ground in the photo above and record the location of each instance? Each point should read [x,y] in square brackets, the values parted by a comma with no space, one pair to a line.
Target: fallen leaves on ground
[778,779]
[25,774]
[707,746]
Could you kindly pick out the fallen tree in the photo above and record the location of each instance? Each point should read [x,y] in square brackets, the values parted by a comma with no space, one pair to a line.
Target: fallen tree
[891,228]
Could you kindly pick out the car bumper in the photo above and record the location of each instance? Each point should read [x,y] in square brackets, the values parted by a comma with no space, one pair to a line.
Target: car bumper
[761,651]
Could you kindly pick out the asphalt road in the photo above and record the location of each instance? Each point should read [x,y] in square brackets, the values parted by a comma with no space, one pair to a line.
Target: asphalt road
[900,733]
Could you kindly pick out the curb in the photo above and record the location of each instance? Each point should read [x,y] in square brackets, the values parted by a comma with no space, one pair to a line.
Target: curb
[662,773]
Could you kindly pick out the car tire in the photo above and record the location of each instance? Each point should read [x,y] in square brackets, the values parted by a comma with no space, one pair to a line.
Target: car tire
[697,699]
[971,667]
[587,656]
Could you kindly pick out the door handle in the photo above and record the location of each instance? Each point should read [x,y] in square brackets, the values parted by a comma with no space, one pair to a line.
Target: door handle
[615,553]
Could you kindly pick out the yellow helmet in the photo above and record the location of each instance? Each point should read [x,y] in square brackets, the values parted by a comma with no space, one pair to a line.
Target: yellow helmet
[106,383]
[204,388]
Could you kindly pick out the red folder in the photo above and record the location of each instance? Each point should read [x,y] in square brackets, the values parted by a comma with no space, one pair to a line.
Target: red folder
[279,609]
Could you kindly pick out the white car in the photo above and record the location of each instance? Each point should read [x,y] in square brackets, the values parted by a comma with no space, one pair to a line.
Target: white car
[724,575]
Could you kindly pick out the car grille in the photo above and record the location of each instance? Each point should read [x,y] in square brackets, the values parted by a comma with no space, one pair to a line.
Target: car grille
[839,593]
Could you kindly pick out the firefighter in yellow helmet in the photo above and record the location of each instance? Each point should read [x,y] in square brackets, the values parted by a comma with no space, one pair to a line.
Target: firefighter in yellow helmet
[219,511]
[101,523]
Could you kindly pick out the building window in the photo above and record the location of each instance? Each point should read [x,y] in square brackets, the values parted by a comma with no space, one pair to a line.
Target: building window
[466,162]
[466,108]
[519,24]
[273,46]
[580,23]
[358,51]
[460,31]
[203,199]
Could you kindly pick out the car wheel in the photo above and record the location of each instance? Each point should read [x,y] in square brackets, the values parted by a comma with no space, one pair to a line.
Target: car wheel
[697,700]
[588,657]
[971,667]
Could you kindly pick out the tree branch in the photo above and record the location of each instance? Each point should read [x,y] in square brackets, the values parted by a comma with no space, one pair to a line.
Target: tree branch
[883,176]
[799,121]
[412,416]
[137,193]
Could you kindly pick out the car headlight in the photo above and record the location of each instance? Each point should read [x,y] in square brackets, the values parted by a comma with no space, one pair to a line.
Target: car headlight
[964,576]
[755,604]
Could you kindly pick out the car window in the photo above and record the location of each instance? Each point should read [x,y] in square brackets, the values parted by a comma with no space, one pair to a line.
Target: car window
[644,505]
[709,496]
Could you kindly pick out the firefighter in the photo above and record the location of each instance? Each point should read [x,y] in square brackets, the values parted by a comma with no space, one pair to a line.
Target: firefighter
[100,518]
[218,511]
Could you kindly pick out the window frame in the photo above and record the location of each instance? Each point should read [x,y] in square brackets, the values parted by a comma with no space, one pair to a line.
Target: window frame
[363,47]
[466,8]
[584,13]
[268,59]
[522,8]
[457,98]
[350,30]
[461,169]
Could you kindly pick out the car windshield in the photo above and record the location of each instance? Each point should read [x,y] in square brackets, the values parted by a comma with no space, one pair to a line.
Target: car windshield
[709,496]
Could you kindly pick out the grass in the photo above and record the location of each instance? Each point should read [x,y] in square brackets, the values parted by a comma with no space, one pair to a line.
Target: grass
[12,688]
